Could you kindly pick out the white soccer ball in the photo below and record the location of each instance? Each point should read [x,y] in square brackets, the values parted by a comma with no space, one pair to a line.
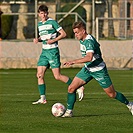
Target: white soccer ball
[58,109]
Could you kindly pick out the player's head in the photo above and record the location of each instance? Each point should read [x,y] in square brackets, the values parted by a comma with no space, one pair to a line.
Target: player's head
[43,8]
[79,25]
[79,29]
[43,12]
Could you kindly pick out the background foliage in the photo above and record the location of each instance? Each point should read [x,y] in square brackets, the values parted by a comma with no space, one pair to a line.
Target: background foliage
[7,21]
[68,21]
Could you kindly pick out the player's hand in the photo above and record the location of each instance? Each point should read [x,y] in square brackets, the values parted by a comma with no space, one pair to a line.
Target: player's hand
[35,40]
[50,41]
[68,63]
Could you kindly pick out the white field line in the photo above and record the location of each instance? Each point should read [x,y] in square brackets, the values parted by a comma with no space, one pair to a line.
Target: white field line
[29,94]
[11,73]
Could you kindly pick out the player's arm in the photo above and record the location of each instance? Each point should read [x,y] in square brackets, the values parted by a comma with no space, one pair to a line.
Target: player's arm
[87,58]
[36,40]
[62,34]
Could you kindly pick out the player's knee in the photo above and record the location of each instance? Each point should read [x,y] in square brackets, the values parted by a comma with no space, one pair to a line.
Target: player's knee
[39,75]
[112,95]
[71,89]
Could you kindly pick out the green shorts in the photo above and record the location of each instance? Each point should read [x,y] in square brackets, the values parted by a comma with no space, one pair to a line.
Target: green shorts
[101,76]
[49,58]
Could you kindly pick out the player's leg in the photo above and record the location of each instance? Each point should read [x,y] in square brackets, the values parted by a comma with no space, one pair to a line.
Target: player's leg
[58,76]
[82,77]
[71,96]
[41,84]
[42,66]
[119,96]
[114,94]
[54,61]
[55,65]
[104,80]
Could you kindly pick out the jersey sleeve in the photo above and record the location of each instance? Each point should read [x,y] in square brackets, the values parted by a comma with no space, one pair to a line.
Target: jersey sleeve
[56,26]
[89,46]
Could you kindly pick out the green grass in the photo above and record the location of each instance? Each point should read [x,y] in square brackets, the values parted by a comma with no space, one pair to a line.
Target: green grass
[95,114]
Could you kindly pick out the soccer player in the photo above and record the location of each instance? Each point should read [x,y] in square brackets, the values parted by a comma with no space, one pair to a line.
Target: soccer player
[94,68]
[50,33]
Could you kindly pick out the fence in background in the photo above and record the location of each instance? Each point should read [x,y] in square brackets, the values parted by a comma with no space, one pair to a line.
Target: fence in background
[114,28]
[119,26]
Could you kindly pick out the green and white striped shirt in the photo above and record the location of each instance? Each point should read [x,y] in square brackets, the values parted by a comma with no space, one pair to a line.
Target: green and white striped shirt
[91,45]
[48,30]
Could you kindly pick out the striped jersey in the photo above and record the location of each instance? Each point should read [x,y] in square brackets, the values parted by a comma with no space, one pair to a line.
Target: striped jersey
[48,30]
[91,45]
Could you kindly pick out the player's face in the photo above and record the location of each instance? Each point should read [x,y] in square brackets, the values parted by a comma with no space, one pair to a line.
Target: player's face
[43,15]
[79,33]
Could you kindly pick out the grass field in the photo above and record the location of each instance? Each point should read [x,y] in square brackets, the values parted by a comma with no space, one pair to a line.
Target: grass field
[95,114]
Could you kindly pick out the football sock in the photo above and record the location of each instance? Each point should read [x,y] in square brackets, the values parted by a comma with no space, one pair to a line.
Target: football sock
[43,97]
[69,81]
[120,97]
[42,89]
[71,98]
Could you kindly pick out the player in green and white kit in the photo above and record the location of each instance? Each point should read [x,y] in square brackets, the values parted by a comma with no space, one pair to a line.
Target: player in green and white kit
[94,68]
[50,56]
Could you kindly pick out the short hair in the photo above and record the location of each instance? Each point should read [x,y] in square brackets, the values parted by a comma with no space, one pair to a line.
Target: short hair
[43,8]
[79,25]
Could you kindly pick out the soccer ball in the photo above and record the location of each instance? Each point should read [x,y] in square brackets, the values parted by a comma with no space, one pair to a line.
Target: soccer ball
[58,109]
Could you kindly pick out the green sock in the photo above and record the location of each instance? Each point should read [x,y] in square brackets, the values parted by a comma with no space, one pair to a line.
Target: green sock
[69,81]
[71,98]
[120,97]
[42,89]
